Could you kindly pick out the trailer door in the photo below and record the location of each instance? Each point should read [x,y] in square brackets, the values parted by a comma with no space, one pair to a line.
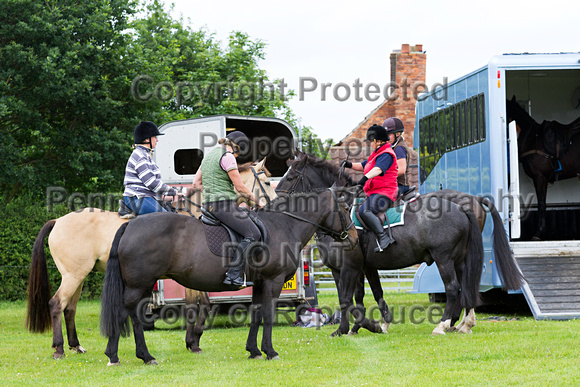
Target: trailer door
[514,185]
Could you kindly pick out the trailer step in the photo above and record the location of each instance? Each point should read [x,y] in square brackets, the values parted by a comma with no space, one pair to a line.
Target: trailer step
[552,270]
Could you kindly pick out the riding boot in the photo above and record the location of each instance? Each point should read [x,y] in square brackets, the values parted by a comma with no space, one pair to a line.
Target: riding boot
[124,211]
[235,274]
[384,238]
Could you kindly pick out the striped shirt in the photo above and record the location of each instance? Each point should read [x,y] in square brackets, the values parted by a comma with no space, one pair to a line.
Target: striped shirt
[143,178]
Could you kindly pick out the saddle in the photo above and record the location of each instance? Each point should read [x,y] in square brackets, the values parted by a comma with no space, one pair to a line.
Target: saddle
[221,239]
[395,214]
[557,137]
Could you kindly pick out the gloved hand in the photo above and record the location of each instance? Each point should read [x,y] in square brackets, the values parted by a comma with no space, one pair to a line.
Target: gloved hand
[362,181]
[346,164]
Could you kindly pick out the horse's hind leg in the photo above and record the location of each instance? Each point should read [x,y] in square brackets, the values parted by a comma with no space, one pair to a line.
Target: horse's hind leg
[69,319]
[452,286]
[468,322]
[132,299]
[64,296]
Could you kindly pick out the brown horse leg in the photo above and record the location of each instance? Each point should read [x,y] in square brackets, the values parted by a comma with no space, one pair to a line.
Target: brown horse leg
[69,319]
[65,294]
[196,311]
[541,185]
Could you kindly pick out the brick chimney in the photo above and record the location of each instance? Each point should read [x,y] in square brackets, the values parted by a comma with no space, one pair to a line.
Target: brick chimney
[408,67]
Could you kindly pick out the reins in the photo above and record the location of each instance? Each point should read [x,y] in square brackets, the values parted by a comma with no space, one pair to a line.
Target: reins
[342,235]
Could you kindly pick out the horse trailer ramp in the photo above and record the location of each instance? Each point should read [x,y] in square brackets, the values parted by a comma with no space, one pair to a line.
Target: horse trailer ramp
[552,271]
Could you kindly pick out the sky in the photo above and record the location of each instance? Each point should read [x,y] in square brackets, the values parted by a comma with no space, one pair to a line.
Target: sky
[338,42]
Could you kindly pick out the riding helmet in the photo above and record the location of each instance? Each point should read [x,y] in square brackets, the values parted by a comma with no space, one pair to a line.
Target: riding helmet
[377,132]
[393,125]
[241,140]
[145,130]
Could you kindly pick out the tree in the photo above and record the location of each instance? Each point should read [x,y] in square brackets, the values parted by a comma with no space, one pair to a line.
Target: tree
[76,77]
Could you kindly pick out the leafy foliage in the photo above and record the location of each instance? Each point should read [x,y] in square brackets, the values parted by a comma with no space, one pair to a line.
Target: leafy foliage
[76,78]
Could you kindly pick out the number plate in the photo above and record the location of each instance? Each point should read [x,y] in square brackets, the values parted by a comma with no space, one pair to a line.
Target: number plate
[290,284]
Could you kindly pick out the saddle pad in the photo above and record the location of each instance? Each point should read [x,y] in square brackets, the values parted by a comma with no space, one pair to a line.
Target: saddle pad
[217,236]
[396,215]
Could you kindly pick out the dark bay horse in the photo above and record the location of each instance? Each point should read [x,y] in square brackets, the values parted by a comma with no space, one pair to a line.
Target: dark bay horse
[548,152]
[163,244]
[79,242]
[308,172]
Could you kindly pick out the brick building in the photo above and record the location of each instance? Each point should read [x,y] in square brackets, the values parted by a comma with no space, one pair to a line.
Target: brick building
[408,67]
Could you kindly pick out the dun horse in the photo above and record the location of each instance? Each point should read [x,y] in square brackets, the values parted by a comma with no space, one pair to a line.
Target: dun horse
[156,245]
[79,242]
[415,243]
[548,152]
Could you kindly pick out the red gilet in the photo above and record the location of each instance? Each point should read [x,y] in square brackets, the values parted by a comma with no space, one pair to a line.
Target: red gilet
[387,183]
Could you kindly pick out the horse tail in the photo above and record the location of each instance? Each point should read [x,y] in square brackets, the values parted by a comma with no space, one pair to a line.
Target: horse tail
[114,321]
[473,265]
[38,316]
[508,270]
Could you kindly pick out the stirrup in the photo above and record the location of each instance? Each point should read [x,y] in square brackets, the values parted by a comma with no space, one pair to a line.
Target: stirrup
[380,249]
[238,281]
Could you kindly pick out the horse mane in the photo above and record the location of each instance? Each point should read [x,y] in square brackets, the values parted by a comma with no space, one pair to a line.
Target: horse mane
[328,169]
[246,167]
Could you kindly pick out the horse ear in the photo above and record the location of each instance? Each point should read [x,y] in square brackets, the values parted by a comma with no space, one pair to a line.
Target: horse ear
[260,164]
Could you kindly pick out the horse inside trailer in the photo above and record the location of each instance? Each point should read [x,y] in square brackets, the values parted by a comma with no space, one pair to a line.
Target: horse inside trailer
[467,143]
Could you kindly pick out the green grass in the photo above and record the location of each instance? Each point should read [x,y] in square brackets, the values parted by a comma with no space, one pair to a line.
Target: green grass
[516,352]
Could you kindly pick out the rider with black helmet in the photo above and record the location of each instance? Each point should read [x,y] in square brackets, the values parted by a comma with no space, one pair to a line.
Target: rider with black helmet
[218,176]
[143,185]
[379,182]
[395,128]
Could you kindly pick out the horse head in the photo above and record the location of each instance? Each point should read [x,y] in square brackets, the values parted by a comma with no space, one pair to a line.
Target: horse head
[308,172]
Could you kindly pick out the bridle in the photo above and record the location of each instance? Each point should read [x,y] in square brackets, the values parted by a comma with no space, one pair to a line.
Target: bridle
[299,180]
[336,235]
[257,179]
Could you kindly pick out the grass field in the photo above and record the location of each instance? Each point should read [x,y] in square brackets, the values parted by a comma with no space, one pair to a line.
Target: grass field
[518,351]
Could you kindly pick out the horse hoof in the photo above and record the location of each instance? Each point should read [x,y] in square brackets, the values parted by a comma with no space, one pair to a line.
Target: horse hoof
[195,350]
[437,332]
[336,334]
[257,357]
[385,327]
[275,358]
[109,364]
[57,355]
[465,330]
[78,349]
[152,362]
[351,333]
[450,329]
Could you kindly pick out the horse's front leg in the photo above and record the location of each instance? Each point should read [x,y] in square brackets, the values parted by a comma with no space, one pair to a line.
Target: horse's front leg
[271,292]
[197,307]
[256,320]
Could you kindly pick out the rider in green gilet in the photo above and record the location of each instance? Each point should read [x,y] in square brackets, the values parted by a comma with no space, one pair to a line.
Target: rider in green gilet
[218,176]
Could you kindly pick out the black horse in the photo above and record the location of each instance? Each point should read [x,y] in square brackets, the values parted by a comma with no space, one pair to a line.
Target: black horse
[308,172]
[548,152]
[163,244]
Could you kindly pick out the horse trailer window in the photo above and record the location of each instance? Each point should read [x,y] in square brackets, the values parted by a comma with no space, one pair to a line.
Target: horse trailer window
[446,130]
[187,161]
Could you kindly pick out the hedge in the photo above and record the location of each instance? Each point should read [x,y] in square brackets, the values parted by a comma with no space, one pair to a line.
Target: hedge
[21,220]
